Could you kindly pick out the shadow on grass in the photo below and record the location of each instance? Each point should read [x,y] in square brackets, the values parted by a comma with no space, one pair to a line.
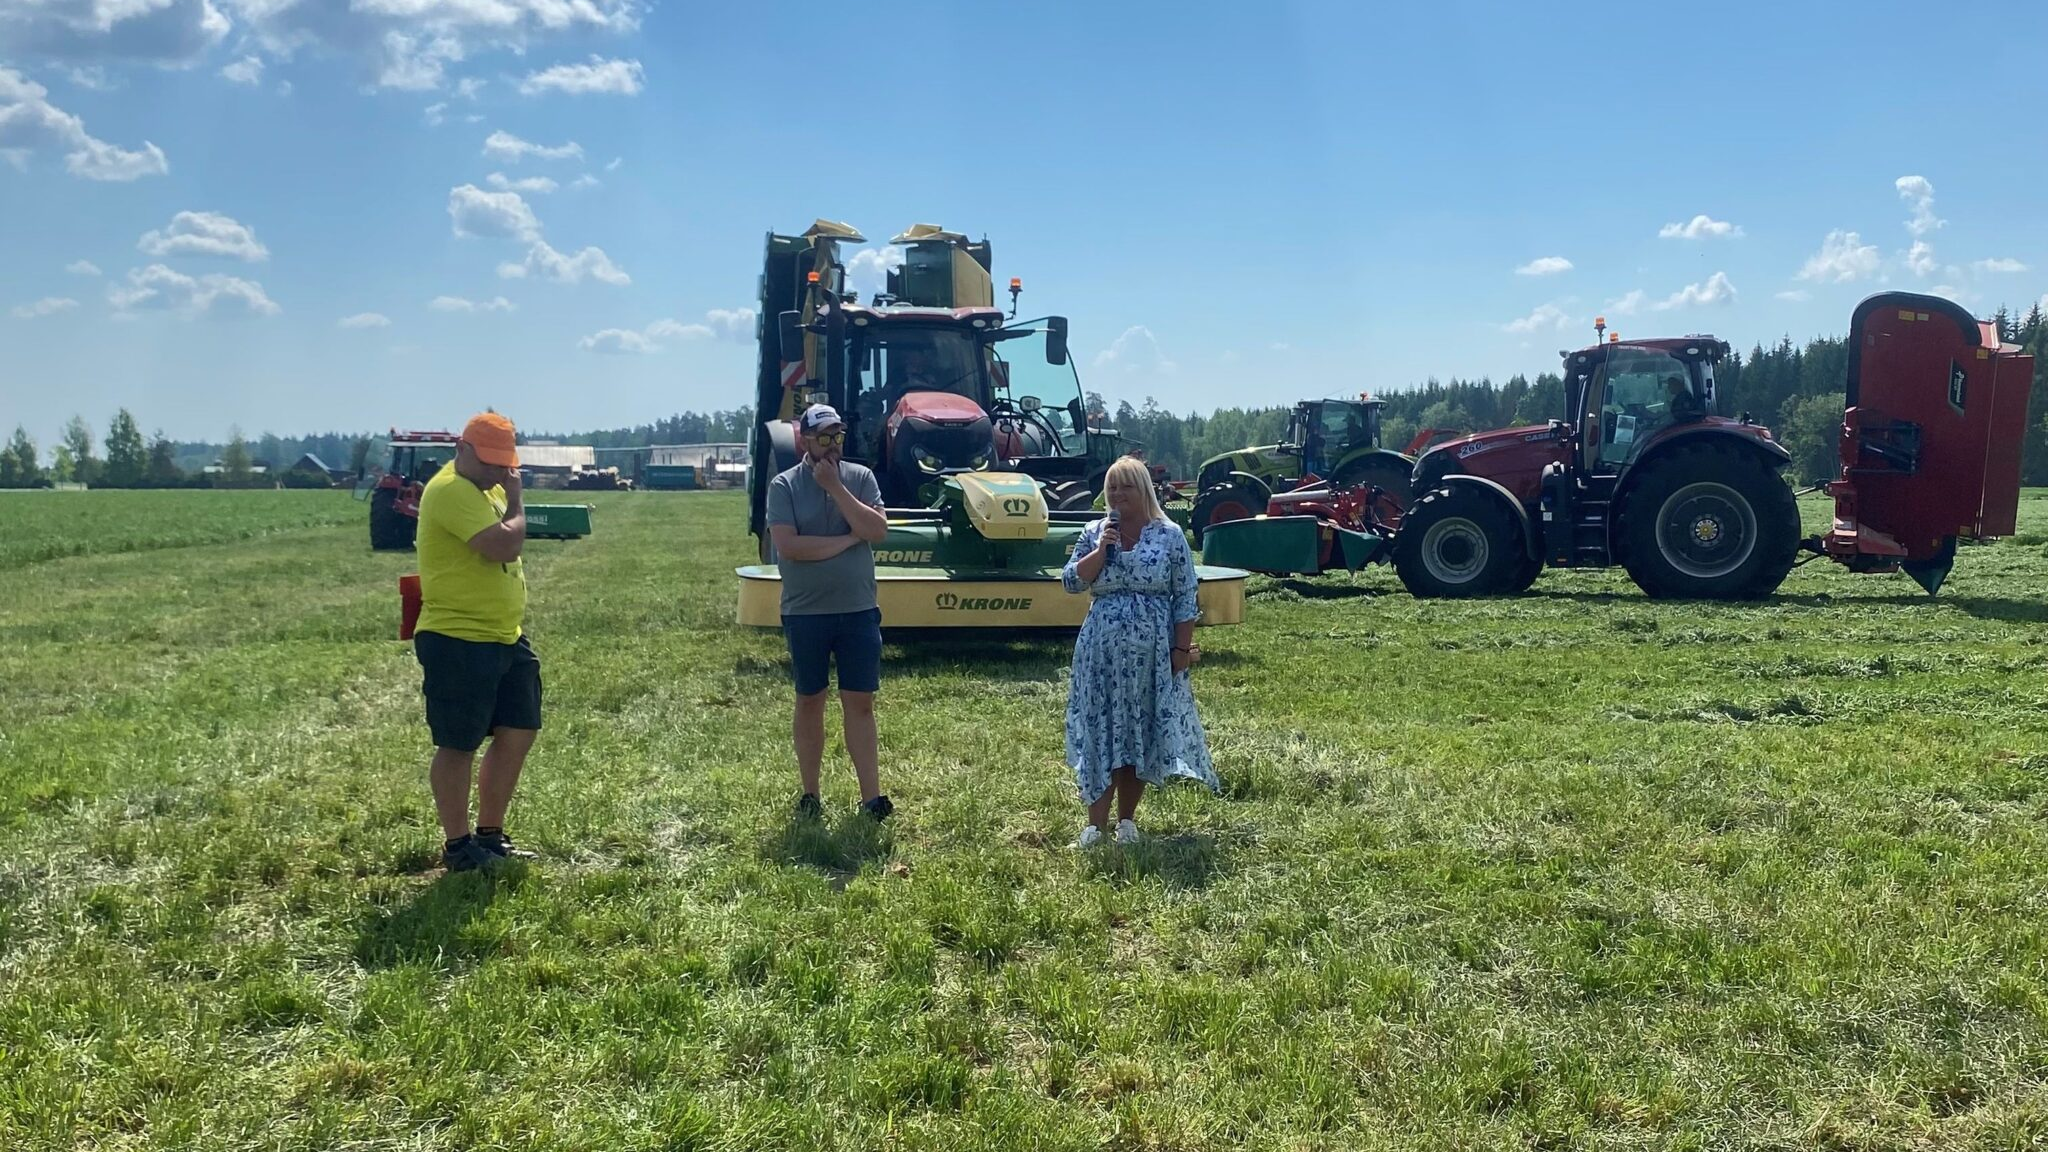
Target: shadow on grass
[433,922]
[1185,860]
[838,848]
[1312,591]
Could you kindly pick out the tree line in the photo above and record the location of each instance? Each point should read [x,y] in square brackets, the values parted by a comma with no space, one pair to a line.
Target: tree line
[1796,390]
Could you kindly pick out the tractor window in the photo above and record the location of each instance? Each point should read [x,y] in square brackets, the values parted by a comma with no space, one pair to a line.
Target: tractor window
[923,362]
[1018,369]
[1639,387]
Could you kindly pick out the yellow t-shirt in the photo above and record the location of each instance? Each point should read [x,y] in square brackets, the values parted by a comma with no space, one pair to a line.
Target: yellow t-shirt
[462,594]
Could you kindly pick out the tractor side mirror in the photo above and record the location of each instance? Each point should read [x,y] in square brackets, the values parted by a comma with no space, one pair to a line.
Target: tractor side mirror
[791,337]
[1077,414]
[1056,340]
[1029,404]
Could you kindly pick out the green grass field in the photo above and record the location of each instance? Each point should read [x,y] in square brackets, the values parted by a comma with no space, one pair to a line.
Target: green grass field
[1573,870]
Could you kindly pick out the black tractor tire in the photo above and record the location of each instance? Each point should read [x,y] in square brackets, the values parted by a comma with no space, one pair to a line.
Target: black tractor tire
[390,529]
[1070,496]
[1229,500]
[1458,542]
[1708,522]
[1391,476]
[1522,577]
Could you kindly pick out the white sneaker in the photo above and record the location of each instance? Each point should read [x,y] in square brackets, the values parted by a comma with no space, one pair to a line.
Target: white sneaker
[1090,837]
[1126,832]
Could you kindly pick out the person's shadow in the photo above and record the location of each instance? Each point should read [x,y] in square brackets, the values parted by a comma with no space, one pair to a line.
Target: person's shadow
[431,923]
[838,848]
[1182,860]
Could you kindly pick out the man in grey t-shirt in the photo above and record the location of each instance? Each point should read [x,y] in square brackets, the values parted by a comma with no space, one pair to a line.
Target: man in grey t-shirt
[824,517]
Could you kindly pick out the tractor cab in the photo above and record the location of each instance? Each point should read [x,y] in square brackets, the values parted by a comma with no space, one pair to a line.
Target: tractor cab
[1326,432]
[1626,397]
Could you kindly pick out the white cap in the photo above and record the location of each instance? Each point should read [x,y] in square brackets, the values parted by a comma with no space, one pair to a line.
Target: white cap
[818,416]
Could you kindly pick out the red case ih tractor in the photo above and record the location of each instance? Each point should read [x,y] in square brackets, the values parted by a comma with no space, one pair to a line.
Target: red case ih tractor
[395,496]
[1693,505]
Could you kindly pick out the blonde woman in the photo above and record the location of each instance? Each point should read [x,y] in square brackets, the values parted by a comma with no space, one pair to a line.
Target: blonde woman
[1130,710]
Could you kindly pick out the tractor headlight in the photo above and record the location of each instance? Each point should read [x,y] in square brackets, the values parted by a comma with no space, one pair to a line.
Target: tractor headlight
[980,461]
[924,458]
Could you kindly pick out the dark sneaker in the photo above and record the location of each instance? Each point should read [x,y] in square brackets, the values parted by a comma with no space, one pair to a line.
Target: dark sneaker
[879,807]
[808,807]
[466,856]
[500,845]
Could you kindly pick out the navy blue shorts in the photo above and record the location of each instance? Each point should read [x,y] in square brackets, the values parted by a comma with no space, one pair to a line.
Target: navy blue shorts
[851,640]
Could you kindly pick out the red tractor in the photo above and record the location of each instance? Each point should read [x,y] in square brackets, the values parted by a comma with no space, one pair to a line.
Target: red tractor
[395,494]
[1640,473]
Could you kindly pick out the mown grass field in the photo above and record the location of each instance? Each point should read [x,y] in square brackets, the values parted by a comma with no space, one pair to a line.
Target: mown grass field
[1574,870]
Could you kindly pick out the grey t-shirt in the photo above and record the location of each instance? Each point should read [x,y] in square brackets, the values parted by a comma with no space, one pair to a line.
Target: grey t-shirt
[843,583]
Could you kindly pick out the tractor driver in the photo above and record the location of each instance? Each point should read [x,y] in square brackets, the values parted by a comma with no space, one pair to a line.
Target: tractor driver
[1680,402]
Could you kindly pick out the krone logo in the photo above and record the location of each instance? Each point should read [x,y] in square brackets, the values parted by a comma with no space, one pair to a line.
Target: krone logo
[902,556]
[1017,506]
[946,601]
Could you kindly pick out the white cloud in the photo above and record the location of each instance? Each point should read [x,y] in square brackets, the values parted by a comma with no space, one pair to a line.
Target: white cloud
[364,320]
[468,87]
[82,268]
[2002,264]
[434,115]
[1545,266]
[30,124]
[158,287]
[204,234]
[736,324]
[458,304]
[584,181]
[1545,316]
[494,215]
[610,77]
[531,184]
[1948,290]
[284,87]
[93,78]
[399,43]
[502,145]
[614,165]
[247,70]
[1627,305]
[1920,258]
[47,306]
[1699,227]
[171,32]
[1716,290]
[1919,192]
[1136,350]
[416,63]
[1843,257]
[1795,294]
[868,270]
[543,260]
[618,342]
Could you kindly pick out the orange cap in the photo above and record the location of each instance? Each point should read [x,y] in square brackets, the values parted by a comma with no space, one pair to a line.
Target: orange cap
[493,438]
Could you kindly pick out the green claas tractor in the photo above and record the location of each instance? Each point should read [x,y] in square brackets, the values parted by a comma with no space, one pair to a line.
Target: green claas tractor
[1334,442]
[971,421]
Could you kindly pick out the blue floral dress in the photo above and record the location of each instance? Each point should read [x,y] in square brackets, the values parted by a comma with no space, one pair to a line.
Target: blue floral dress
[1126,705]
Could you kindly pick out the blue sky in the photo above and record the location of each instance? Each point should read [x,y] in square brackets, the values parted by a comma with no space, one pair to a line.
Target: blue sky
[303,215]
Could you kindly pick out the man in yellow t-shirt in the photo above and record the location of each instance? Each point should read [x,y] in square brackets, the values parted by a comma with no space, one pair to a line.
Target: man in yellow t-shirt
[481,677]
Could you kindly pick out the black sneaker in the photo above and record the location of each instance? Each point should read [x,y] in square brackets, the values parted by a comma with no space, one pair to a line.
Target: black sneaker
[808,807]
[879,807]
[466,855]
[500,845]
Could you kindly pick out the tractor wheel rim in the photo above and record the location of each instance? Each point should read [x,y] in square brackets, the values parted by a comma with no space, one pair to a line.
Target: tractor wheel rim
[1454,551]
[1706,530]
[1228,510]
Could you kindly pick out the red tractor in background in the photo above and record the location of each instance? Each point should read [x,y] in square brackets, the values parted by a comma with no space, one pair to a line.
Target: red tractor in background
[394,494]
[1640,473]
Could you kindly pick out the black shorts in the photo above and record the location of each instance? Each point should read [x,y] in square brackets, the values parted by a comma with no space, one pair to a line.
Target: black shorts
[473,688]
[850,640]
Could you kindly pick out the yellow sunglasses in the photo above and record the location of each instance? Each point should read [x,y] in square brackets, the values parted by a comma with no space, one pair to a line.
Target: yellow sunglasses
[829,437]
